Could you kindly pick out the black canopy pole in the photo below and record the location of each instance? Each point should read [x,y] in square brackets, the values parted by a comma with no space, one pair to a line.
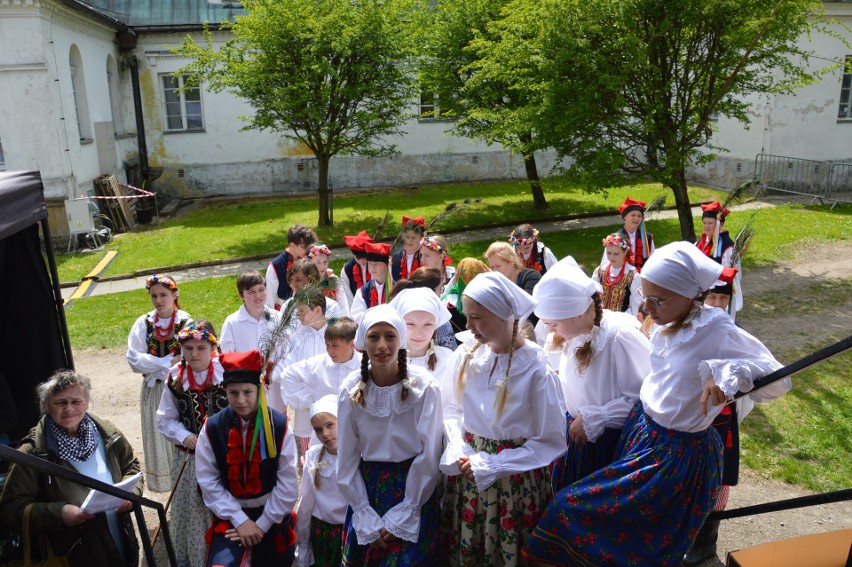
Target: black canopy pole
[801,364]
[57,294]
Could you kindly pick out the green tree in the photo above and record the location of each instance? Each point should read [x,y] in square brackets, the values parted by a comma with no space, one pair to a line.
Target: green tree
[334,75]
[450,67]
[630,87]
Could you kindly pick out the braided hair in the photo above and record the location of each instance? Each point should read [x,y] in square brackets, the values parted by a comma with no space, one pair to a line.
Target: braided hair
[583,353]
[319,467]
[402,360]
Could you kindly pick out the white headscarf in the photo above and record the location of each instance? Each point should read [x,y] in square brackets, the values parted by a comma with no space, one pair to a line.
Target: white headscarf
[421,299]
[682,268]
[326,404]
[564,291]
[500,295]
[380,314]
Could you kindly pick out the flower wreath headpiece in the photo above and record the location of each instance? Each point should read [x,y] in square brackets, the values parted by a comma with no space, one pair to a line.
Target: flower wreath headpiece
[318,249]
[515,241]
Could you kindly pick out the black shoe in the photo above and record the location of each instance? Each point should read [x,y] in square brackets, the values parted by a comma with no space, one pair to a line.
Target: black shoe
[704,546]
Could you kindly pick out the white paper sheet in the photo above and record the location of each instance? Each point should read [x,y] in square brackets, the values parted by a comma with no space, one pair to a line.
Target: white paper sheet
[97,502]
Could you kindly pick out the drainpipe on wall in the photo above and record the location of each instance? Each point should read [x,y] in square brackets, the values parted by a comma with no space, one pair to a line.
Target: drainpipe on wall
[127,42]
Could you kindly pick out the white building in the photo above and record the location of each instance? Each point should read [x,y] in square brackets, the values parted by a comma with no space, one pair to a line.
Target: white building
[68,71]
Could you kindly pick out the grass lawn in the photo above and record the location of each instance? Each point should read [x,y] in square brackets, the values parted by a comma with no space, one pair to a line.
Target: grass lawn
[231,229]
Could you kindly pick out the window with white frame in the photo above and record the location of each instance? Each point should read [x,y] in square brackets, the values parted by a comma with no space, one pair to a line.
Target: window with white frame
[182,105]
[845,110]
[429,105]
[78,94]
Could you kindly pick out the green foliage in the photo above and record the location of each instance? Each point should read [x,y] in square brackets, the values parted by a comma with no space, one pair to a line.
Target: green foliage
[331,74]
[629,86]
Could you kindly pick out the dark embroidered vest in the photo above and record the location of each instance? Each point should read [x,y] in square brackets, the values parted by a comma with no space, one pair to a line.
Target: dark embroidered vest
[397,263]
[219,427]
[727,242]
[281,263]
[349,270]
[195,406]
[169,347]
[636,259]
[616,297]
[367,291]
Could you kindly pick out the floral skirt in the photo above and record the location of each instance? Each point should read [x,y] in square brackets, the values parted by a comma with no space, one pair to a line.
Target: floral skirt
[582,460]
[156,448]
[188,516]
[326,542]
[643,509]
[385,483]
[490,528]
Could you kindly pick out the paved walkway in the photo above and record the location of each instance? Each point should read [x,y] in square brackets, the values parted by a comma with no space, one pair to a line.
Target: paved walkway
[495,233]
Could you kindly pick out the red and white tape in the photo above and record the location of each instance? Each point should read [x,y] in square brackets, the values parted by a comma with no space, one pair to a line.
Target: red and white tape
[142,193]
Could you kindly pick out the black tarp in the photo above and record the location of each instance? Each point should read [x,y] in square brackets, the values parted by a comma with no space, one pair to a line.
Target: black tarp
[32,327]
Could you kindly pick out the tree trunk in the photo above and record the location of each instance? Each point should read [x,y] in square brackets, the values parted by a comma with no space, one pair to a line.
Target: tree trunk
[535,183]
[322,191]
[684,212]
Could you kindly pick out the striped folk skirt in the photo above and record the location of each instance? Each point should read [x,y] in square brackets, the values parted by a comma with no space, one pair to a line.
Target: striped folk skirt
[580,461]
[326,542]
[188,516]
[643,509]
[156,448]
[385,483]
[490,528]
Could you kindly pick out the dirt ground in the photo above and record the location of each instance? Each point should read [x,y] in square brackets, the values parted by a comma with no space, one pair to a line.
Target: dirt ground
[116,397]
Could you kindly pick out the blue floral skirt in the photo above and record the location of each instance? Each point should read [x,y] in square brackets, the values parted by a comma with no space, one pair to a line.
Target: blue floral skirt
[643,509]
[385,483]
[580,461]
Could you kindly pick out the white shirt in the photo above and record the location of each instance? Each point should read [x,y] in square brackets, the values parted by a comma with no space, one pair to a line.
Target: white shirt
[388,429]
[443,364]
[225,505]
[359,306]
[635,284]
[306,381]
[151,367]
[241,332]
[533,411]
[304,343]
[325,503]
[682,363]
[608,389]
[168,416]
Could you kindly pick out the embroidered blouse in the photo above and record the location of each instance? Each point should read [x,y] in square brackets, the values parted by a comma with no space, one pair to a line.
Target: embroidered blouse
[391,430]
[152,367]
[533,412]
[325,503]
[169,421]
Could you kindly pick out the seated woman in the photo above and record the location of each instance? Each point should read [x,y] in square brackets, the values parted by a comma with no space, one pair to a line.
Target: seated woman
[68,436]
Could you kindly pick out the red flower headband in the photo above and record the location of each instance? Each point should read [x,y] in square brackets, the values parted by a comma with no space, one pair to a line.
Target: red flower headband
[162,280]
[616,240]
[318,249]
[431,244]
[515,241]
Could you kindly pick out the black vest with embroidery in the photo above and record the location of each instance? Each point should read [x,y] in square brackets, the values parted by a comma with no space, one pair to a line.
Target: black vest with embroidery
[281,263]
[195,406]
[349,270]
[219,427]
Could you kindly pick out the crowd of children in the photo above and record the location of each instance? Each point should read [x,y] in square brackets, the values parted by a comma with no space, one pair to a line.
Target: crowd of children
[514,411]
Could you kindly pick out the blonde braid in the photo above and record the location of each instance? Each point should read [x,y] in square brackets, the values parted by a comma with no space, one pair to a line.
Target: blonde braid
[318,467]
[460,381]
[504,386]
[433,358]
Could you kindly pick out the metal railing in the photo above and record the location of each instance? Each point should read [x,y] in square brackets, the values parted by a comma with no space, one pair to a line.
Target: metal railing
[822,181]
[23,459]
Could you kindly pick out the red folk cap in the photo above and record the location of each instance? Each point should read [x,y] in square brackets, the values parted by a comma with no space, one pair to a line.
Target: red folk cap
[356,243]
[413,222]
[631,205]
[377,251]
[714,210]
[241,367]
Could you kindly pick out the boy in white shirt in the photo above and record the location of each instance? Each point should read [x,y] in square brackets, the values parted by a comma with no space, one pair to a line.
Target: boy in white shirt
[305,382]
[244,328]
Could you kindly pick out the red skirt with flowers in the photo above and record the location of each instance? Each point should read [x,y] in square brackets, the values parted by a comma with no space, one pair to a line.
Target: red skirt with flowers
[643,509]
[490,528]
[385,484]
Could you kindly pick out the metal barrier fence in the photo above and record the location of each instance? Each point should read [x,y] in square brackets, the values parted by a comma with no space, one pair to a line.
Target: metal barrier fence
[822,181]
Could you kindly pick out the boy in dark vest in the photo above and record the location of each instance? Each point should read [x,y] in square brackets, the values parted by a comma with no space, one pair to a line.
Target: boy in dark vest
[246,469]
[354,273]
[408,259]
[299,240]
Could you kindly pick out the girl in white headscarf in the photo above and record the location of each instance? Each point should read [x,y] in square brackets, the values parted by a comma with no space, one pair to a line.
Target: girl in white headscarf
[504,423]
[389,445]
[604,359]
[322,508]
[423,313]
[648,505]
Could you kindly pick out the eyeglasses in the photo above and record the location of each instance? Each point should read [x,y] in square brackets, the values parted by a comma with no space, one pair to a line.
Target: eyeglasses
[655,301]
